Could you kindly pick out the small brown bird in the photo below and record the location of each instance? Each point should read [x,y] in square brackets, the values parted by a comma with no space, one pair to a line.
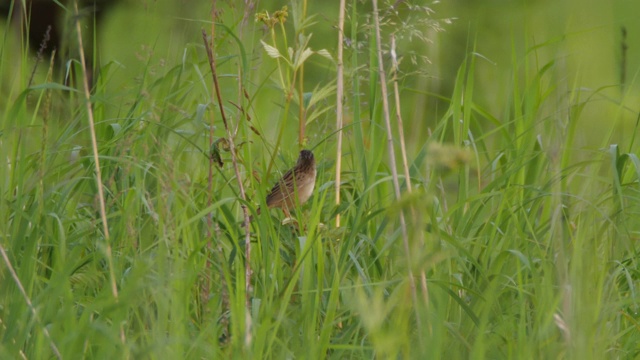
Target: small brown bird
[300,181]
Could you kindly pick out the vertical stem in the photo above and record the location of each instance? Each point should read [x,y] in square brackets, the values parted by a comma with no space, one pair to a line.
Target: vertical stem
[405,163]
[234,160]
[339,96]
[96,160]
[302,111]
[23,292]
[287,88]
[209,233]
[396,91]
[392,161]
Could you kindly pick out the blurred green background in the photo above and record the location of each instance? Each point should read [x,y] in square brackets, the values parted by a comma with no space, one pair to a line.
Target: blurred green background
[583,40]
[582,37]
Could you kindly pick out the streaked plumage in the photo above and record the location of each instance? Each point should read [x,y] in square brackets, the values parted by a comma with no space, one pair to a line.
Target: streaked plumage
[300,181]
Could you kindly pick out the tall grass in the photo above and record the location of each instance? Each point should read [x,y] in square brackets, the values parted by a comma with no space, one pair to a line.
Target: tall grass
[521,238]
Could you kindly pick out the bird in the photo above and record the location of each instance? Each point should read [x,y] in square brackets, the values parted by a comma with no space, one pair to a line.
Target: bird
[298,182]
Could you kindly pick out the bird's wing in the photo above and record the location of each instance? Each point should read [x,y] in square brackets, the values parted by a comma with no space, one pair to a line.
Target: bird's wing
[281,190]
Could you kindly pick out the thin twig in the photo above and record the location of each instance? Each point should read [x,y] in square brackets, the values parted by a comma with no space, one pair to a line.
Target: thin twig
[16,279]
[302,111]
[302,122]
[209,233]
[396,91]
[96,159]
[392,160]
[45,130]
[339,96]
[405,163]
[232,148]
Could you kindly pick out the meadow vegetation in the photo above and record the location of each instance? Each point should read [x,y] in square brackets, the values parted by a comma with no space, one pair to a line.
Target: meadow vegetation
[501,223]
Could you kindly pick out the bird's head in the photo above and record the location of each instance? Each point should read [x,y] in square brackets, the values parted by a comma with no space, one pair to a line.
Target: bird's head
[306,158]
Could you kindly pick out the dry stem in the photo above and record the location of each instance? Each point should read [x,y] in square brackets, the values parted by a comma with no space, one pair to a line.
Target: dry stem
[392,159]
[234,160]
[405,163]
[96,159]
[339,96]
[403,150]
[16,279]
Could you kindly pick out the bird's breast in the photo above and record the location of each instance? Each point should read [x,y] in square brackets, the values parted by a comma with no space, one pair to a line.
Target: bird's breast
[305,189]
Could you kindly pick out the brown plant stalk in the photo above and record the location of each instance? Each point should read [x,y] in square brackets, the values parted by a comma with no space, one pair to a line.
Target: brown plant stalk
[96,160]
[403,151]
[392,159]
[36,318]
[302,111]
[234,160]
[339,96]
[396,92]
